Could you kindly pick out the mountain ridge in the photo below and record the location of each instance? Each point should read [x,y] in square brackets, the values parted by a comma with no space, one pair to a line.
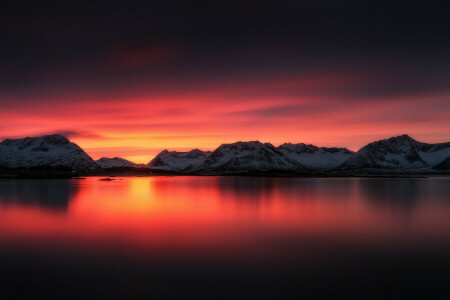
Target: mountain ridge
[398,154]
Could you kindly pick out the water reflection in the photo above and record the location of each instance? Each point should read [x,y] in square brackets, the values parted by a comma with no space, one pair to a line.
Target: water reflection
[239,233]
[247,189]
[198,214]
[45,194]
[404,194]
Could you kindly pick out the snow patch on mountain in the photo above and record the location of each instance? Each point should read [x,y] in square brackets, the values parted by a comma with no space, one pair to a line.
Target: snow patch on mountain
[318,158]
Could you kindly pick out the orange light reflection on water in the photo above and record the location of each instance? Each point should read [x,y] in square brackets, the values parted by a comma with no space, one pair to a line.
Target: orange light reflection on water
[167,215]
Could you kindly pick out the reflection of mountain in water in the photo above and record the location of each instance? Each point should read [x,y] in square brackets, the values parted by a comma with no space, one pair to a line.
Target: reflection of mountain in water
[398,194]
[246,188]
[403,194]
[290,189]
[48,194]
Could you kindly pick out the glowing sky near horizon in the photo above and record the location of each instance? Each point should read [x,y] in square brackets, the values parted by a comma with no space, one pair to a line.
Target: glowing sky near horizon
[220,74]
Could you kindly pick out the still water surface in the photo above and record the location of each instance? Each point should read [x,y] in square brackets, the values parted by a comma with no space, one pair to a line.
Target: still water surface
[156,235]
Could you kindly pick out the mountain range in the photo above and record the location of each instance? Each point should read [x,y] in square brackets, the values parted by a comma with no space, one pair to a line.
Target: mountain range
[400,154]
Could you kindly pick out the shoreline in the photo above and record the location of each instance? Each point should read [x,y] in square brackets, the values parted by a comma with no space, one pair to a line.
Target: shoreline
[64,173]
[318,176]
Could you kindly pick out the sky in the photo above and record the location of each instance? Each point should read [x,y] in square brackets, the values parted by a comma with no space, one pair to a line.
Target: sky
[132,78]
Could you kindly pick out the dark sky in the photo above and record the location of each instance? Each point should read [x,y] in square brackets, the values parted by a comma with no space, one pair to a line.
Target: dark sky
[250,62]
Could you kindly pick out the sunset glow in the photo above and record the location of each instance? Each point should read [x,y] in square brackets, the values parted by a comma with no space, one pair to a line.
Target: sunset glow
[138,125]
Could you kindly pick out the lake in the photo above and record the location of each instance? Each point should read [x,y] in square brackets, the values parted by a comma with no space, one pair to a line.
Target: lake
[140,237]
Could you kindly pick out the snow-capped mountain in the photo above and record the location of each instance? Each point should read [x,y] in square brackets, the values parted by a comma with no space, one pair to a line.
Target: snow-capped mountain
[318,158]
[116,162]
[400,153]
[178,161]
[252,156]
[48,150]
[394,155]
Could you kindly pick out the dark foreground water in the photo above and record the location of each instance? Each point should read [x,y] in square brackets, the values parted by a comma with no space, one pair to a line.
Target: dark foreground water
[157,237]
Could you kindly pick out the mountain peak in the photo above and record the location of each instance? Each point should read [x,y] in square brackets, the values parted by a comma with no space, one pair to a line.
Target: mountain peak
[404,141]
[402,138]
[55,139]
